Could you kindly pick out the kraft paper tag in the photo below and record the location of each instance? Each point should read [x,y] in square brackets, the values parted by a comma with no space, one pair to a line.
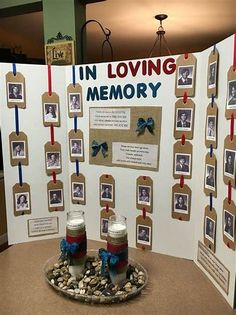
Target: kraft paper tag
[182,162]
[185,75]
[78,192]
[75,100]
[210,228]
[53,161]
[228,223]
[18,148]
[212,73]
[51,109]
[15,85]
[76,145]
[210,175]
[21,199]
[230,108]
[144,232]
[184,119]
[211,126]
[107,191]
[104,216]
[181,202]
[229,160]
[144,193]
[55,196]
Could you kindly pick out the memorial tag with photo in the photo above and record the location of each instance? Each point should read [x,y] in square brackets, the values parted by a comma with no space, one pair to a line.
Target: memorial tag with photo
[144,232]
[107,191]
[51,109]
[104,216]
[18,148]
[76,145]
[55,196]
[78,189]
[212,73]
[75,100]
[21,199]
[230,108]
[184,119]
[15,85]
[144,193]
[211,134]
[229,160]
[53,162]
[209,232]
[210,182]
[181,202]
[228,223]
[182,161]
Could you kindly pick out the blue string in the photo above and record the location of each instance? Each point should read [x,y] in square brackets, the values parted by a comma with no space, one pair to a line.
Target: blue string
[17,119]
[210,201]
[20,173]
[14,68]
[211,150]
[77,167]
[75,123]
[212,100]
[214,49]
[73,74]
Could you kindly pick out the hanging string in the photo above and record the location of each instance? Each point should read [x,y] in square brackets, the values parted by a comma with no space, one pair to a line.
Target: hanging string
[211,150]
[181,182]
[75,123]
[14,68]
[73,75]
[54,177]
[234,57]
[214,49]
[77,167]
[144,213]
[144,177]
[185,55]
[183,139]
[211,201]
[185,98]
[107,207]
[232,127]
[17,119]
[229,192]
[52,134]
[20,174]
[212,100]
[49,80]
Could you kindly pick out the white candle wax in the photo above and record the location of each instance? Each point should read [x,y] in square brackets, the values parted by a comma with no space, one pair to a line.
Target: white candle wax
[117,229]
[75,223]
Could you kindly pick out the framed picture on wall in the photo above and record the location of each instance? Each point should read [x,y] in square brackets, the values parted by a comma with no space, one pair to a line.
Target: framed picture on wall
[60,53]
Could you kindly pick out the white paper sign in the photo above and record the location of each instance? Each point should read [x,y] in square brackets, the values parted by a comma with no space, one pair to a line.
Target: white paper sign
[43,226]
[135,154]
[107,118]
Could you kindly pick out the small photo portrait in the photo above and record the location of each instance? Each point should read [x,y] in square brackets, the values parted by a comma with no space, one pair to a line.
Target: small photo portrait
[143,234]
[18,149]
[185,77]
[74,102]
[104,226]
[231,95]
[210,177]
[212,71]
[78,191]
[107,192]
[184,119]
[229,163]
[181,203]
[182,164]
[22,201]
[55,198]
[211,128]
[15,92]
[229,225]
[53,160]
[144,195]
[76,148]
[210,229]
[51,112]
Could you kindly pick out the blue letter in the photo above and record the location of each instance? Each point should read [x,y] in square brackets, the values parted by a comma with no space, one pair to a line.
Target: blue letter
[154,88]
[92,93]
[103,93]
[115,91]
[126,87]
[141,90]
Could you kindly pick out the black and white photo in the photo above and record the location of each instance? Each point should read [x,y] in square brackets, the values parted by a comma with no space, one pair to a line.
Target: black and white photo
[182,164]
[210,177]
[55,198]
[107,192]
[185,77]
[143,234]
[18,149]
[104,226]
[77,191]
[229,225]
[144,195]
[22,201]
[181,203]
[210,229]
[212,72]
[229,163]
[184,119]
[211,128]
[76,148]
[15,92]
[74,102]
[53,160]
[51,112]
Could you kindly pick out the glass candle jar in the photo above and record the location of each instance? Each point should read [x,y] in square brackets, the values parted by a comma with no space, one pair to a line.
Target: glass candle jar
[117,244]
[76,236]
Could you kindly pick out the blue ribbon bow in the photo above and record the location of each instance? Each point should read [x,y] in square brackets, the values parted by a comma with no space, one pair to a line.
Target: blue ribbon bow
[107,259]
[97,147]
[68,249]
[142,124]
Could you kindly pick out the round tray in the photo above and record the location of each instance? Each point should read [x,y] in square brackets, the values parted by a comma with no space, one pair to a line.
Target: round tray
[121,293]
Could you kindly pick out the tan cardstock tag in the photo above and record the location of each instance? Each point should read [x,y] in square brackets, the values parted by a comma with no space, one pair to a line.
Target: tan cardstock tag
[104,216]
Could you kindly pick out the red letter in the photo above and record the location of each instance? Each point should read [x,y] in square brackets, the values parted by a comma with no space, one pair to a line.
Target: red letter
[152,66]
[110,75]
[171,68]
[134,69]
[125,70]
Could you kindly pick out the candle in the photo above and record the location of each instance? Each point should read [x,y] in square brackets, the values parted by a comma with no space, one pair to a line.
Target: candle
[75,223]
[117,229]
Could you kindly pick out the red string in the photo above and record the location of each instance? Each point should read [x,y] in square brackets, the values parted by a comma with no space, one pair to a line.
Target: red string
[52,134]
[234,58]
[144,213]
[107,207]
[232,127]
[49,80]
[185,97]
[144,177]
[181,181]
[228,244]
[143,247]
[185,55]
[180,218]
[106,176]
[183,139]
[54,176]
[229,192]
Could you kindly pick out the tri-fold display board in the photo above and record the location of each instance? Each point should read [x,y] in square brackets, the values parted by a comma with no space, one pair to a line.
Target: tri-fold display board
[148,139]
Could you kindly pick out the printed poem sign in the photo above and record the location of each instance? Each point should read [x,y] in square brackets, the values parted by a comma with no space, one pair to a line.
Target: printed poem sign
[43,226]
[213,266]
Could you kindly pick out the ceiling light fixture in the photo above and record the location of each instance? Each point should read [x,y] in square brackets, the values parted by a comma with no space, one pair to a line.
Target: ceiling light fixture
[160,36]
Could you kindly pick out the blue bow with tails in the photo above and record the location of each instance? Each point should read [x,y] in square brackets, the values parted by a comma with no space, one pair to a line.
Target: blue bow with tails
[99,146]
[107,258]
[142,124]
[68,249]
